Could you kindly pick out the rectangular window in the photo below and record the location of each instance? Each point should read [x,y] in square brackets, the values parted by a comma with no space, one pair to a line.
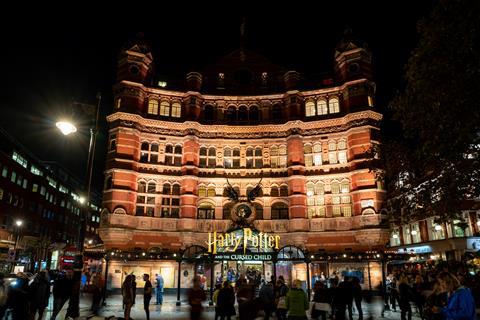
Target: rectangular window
[1,193]
[336,200]
[25,182]
[5,172]
[21,160]
[52,182]
[63,189]
[332,158]
[36,171]
[42,190]
[13,177]
[347,211]
[342,157]
[336,211]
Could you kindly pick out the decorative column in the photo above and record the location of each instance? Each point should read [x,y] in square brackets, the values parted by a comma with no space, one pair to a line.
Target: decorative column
[188,197]
[296,184]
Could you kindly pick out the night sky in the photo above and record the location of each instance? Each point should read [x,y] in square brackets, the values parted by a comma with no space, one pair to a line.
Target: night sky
[52,56]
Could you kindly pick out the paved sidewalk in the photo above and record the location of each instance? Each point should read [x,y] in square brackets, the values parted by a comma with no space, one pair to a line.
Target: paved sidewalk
[169,310]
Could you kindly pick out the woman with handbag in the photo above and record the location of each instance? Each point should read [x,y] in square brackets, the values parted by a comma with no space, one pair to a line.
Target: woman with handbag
[322,299]
[280,299]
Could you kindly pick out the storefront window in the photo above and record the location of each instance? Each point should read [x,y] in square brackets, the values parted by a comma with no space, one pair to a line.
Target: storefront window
[406,235]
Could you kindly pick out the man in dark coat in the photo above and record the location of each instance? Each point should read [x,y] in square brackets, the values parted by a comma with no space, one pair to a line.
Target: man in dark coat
[39,293]
[62,289]
[226,301]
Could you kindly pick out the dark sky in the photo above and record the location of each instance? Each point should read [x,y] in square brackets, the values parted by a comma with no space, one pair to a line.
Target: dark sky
[51,56]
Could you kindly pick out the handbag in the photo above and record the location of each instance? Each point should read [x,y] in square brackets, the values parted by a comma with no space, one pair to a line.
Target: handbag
[322,306]
[282,303]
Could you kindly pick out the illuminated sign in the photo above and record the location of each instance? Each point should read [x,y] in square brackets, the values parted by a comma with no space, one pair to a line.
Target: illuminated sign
[244,257]
[246,238]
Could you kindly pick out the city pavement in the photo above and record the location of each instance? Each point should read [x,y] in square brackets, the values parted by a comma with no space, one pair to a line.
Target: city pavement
[170,311]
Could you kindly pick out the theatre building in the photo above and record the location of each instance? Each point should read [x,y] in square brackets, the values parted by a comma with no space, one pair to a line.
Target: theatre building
[244,167]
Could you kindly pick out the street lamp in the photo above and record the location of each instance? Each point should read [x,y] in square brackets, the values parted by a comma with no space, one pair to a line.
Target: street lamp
[67,128]
[18,224]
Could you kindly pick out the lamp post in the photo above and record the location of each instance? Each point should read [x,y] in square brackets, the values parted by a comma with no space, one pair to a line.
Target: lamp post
[18,225]
[68,128]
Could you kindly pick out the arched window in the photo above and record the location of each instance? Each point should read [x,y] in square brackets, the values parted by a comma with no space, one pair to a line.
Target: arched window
[254,158]
[313,154]
[206,211]
[211,191]
[231,114]
[152,106]
[283,191]
[152,187]
[278,156]
[276,113]
[170,201]
[274,191]
[342,152]
[165,108]
[207,157]
[279,211]
[176,110]
[209,113]
[258,211]
[253,114]
[310,109]
[322,108]
[315,200]
[141,187]
[145,205]
[242,113]
[202,191]
[332,152]
[333,105]
[168,148]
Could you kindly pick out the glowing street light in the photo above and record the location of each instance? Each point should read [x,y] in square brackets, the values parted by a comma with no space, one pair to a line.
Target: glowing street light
[19,223]
[66,127]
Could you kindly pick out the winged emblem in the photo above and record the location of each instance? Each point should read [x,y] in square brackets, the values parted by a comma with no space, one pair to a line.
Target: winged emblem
[231,193]
[255,192]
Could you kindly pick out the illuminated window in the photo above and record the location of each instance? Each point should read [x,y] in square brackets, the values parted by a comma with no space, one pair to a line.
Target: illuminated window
[370,101]
[347,211]
[322,108]
[332,152]
[336,211]
[152,106]
[231,158]
[202,191]
[149,153]
[342,152]
[208,157]
[19,159]
[313,155]
[278,156]
[118,103]
[165,108]
[254,158]
[406,235]
[335,187]
[333,105]
[315,200]
[176,110]
[34,170]
[310,109]
[146,199]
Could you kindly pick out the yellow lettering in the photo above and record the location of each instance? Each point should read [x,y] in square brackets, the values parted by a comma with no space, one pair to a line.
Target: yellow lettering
[247,234]
[260,235]
[221,241]
[237,243]
[212,242]
[254,241]
[270,241]
[277,240]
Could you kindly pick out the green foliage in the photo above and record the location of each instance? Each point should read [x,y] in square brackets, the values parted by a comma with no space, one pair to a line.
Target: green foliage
[433,166]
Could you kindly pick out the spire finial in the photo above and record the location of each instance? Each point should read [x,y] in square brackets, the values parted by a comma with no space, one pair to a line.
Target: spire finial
[242,40]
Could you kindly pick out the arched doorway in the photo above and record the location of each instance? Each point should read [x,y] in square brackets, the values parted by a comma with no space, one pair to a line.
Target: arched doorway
[194,261]
[292,264]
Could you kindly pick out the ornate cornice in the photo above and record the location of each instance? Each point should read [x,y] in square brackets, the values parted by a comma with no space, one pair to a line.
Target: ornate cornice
[298,127]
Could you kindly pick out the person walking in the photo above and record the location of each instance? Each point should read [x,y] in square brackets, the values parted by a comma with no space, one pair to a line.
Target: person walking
[226,301]
[322,301]
[147,294]
[3,296]
[96,287]
[128,295]
[245,296]
[62,290]
[461,305]
[159,288]
[357,296]
[297,302]
[405,296]
[196,295]
[39,293]
[267,299]
[281,291]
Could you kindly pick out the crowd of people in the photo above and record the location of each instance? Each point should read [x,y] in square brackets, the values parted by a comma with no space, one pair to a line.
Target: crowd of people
[27,298]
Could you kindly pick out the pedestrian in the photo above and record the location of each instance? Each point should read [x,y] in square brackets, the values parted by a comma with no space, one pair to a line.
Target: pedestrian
[226,301]
[267,299]
[83,283]
[281,291]
[357,296]
[461,305]
[147,294]
[245,296]
[128,295]
[62,290]
[322,298]
[218,287]
[159,288]
[39,293]
[297,302]
[405,296]
[96,289]
[196,295]
[437,298]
